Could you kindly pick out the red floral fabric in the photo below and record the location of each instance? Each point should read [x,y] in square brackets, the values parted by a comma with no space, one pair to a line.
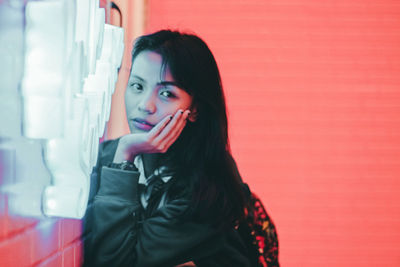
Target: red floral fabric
[259,234]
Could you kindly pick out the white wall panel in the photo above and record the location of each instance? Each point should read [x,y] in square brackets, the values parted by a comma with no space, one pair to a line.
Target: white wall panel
[68,61]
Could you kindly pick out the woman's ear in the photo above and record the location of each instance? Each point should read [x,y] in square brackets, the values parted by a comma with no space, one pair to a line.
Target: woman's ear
[193,114]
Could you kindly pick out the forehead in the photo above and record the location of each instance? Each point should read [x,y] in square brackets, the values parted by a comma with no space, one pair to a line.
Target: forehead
[149,66]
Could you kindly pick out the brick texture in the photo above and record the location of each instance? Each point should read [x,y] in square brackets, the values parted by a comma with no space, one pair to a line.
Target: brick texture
[45,242]
[313,95]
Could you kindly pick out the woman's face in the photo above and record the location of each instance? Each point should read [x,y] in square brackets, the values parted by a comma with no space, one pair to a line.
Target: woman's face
[152,93]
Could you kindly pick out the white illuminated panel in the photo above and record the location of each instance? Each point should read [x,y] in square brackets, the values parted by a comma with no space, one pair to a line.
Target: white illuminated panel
[25,184]
[67,201]
[11,62]
[71,62]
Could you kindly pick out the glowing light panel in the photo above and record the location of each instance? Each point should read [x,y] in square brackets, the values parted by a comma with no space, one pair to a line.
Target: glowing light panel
[71,61]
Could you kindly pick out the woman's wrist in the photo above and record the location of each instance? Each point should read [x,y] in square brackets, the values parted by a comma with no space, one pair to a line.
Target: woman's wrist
[123,153]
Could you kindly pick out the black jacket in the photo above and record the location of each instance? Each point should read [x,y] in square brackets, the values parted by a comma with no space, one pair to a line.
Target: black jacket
[117,233]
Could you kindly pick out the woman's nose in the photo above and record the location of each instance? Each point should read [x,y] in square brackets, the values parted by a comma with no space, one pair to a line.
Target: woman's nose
[147,104]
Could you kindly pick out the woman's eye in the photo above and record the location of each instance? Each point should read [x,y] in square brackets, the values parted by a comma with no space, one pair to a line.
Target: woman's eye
[137,86]
[167,94]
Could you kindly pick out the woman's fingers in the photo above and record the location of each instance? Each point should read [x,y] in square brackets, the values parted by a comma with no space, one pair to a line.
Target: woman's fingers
[159,127]
[174,134]
[171,132]
[168,128]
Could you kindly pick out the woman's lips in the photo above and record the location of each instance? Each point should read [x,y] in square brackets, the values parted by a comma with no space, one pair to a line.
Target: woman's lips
[142,124]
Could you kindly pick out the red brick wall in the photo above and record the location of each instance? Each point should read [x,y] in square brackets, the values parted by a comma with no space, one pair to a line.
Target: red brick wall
[313,90]
[41,243]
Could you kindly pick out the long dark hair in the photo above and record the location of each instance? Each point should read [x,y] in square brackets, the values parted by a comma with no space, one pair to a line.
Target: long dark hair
[201,154]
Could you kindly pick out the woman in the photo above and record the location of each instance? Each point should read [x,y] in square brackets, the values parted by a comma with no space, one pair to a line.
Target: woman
[169,193]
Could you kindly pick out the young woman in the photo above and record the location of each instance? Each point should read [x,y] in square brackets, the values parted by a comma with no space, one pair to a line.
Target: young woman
[169,193]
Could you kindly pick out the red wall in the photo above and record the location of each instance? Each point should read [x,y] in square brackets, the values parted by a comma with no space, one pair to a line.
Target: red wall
[39,243]
[313,90]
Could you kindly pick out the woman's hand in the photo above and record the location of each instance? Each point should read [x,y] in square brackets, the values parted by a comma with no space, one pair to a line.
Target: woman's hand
[157,140]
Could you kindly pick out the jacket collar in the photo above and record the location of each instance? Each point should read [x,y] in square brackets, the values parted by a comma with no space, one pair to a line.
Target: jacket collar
[147,165]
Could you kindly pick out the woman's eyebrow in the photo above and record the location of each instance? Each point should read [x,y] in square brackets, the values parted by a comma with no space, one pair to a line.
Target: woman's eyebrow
[138,77]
